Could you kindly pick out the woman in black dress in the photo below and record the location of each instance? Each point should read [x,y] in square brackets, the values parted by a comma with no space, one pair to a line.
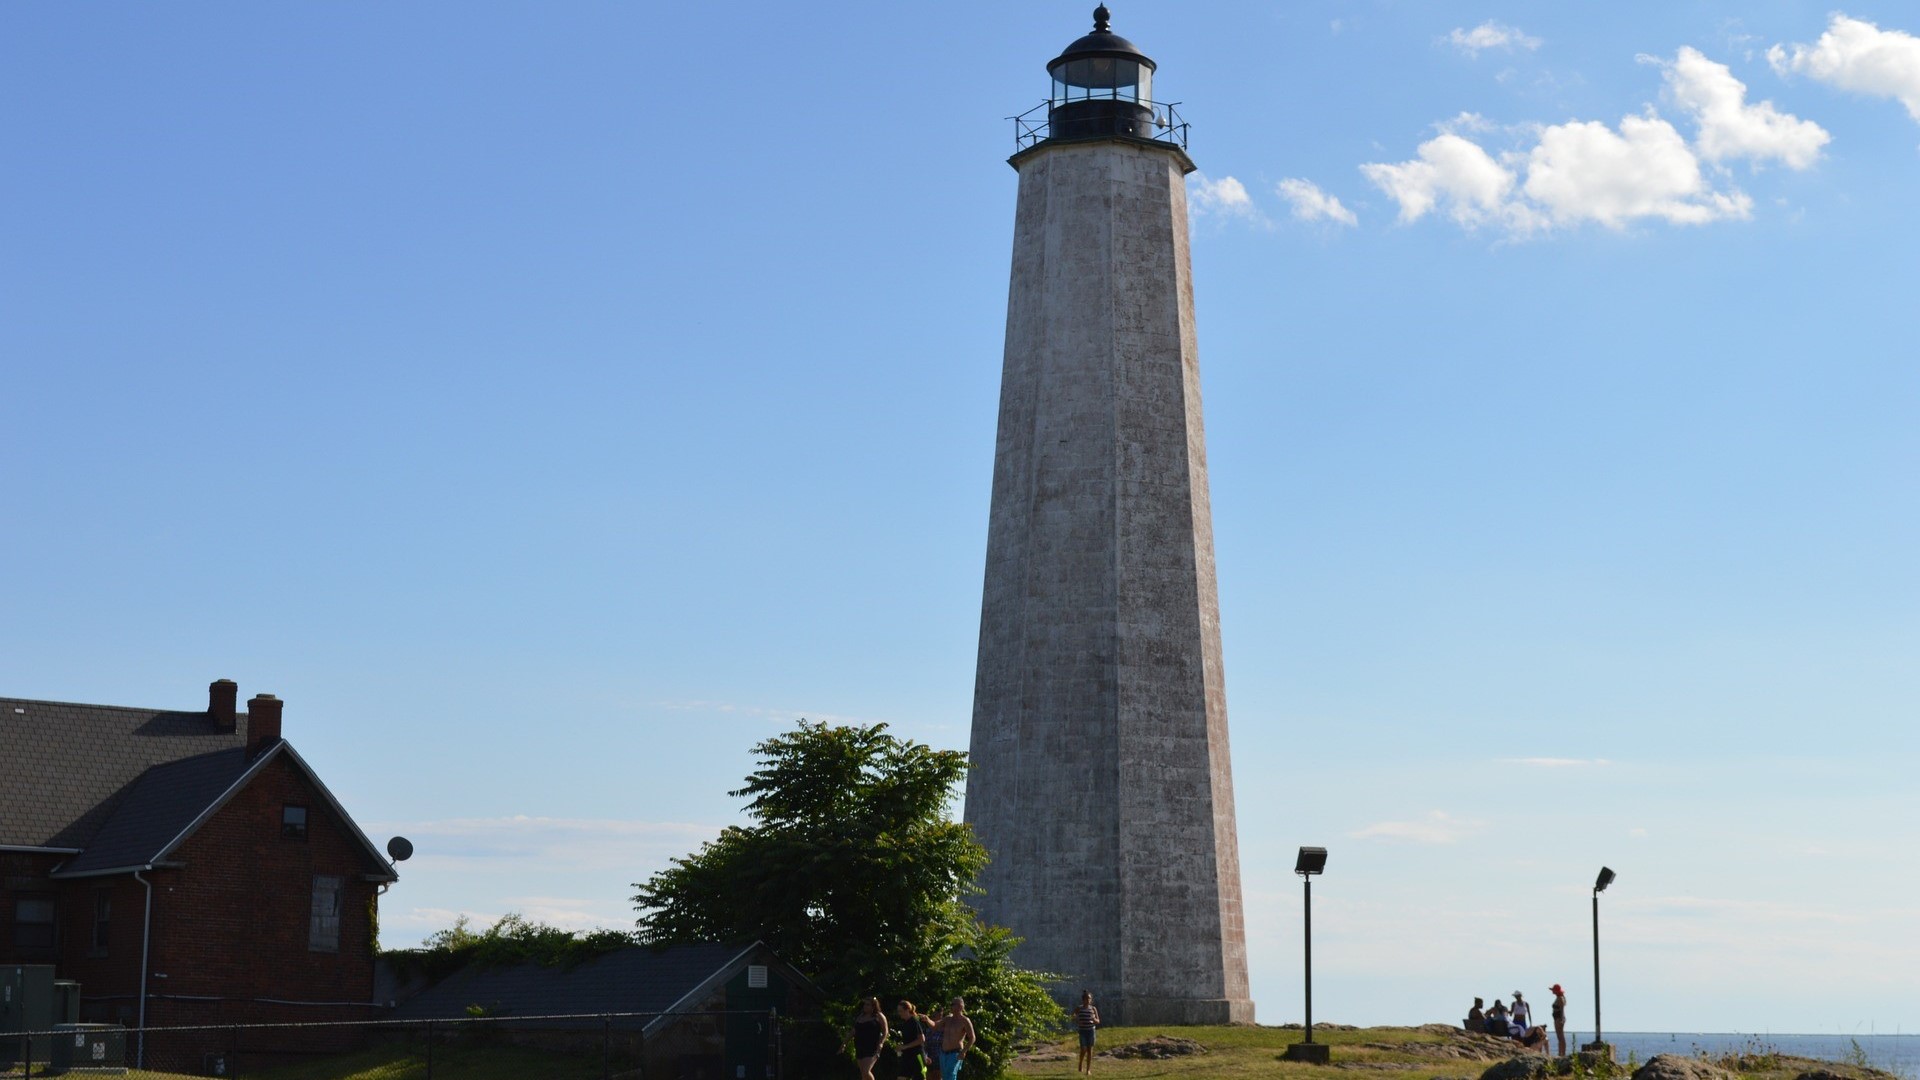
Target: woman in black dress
[869,1033]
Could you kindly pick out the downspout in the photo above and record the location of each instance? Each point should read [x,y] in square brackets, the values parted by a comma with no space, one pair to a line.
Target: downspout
[146,939]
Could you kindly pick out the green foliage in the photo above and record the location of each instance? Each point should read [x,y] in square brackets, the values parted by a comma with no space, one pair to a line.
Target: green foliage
[853,872]
[511,940]
[1857,1055]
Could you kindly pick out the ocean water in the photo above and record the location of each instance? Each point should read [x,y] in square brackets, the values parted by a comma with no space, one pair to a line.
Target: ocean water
[1898,1054]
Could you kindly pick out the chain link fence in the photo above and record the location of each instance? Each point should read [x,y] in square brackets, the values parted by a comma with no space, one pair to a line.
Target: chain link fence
[705,1045]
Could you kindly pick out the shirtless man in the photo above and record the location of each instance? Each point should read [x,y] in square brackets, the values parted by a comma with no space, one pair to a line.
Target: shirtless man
[956,1038]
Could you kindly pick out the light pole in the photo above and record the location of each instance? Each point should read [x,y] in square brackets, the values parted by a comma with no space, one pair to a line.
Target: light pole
[1599,886]
[1310,861]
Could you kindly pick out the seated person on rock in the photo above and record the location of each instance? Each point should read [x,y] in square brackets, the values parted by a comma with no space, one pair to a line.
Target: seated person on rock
[1500,1022]
[1476,1017]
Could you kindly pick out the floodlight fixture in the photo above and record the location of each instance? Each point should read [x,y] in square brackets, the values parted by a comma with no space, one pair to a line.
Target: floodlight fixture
[1599,886]
[1311,860]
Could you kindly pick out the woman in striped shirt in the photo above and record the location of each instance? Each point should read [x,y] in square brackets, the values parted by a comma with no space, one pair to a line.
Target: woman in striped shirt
[1086,1018]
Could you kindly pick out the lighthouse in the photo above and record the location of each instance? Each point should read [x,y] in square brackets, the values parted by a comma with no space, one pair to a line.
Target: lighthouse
[1100,780]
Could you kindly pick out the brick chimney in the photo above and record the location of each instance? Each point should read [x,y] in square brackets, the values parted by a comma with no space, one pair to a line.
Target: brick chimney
[223,703]
[263,723]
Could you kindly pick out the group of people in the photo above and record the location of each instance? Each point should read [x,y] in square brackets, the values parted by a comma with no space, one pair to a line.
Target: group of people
[938,1043]
[1517,1022]
[941,1043]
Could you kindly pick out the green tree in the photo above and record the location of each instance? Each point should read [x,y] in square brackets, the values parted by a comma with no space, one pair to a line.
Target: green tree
[512,940]
[853,872]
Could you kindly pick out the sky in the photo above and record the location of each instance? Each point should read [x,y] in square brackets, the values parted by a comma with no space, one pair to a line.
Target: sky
[551,401]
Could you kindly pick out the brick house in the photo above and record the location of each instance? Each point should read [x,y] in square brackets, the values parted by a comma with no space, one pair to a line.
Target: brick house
[200,842]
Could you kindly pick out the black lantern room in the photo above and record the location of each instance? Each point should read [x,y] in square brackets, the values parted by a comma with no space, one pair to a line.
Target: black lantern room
[1102,86]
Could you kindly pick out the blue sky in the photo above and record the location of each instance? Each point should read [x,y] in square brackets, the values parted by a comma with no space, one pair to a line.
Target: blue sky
[551,401]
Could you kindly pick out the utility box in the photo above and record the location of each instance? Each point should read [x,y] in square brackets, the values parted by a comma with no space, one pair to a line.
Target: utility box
[89,1048]
[26,1004]
[66,1002]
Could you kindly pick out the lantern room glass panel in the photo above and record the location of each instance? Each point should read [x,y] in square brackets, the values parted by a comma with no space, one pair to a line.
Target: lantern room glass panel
[1101,78]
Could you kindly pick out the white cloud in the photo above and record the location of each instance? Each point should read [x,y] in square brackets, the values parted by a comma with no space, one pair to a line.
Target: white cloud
[1311,204]
[761,712]
[1490,35]
[1586,171]
[565,843]
[1469,122]
[566,913]
[1225,196]
[1731,128]
[1564,175]
[1451,171]
[1438,827]
[1856,55]
[1575,172]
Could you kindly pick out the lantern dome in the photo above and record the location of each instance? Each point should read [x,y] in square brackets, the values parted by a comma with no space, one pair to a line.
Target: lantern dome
[1102,86]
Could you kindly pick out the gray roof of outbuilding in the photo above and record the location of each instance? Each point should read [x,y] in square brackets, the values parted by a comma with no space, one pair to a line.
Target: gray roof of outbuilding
[638,979]
[68,765]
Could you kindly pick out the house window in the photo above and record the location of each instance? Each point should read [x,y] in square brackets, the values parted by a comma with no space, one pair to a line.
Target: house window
[102,921]
[293,822]
[323,931]
[33,923]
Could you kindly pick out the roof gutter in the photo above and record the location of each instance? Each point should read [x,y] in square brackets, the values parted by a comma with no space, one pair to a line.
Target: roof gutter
[146,942]
[135,869]
[35,849]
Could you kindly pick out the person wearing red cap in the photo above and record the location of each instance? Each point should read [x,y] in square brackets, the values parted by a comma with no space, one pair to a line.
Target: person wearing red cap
[1560,1017]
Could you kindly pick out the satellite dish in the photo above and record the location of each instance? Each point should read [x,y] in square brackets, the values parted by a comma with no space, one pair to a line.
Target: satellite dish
[400,849]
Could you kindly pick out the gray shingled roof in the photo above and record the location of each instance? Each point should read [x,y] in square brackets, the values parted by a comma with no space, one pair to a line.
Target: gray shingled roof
[637,979]
[121,786]
[156,809]
[81,758]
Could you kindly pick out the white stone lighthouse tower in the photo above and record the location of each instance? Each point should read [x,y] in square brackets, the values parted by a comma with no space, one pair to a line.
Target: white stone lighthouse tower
[1100,778]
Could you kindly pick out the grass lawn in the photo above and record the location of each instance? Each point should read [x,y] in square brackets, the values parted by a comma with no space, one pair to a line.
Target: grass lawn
[1254,1052]
[1434,1052]
[403,1063]
[449,1063]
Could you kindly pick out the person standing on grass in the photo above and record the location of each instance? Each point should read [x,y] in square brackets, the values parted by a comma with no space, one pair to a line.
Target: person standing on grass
[932,1044]
[1560,1017]
[869,1034]
[1086,1018]
[913,1040]
[956,1038]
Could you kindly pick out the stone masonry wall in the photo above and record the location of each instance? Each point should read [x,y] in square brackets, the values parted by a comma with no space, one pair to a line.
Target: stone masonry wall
[1100,777]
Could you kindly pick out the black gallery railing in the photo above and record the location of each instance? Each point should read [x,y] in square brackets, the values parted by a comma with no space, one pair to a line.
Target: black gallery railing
[1099,118]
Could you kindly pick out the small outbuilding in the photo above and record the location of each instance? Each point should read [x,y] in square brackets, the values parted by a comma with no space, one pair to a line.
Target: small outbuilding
[707,1010]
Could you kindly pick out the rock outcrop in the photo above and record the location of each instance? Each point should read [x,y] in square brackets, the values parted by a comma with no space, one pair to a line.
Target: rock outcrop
[1680,1067]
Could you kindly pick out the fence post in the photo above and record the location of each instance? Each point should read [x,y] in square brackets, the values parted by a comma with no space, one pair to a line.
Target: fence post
[429,1050]
[233,1051]
[606,1047]
[779,1044]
